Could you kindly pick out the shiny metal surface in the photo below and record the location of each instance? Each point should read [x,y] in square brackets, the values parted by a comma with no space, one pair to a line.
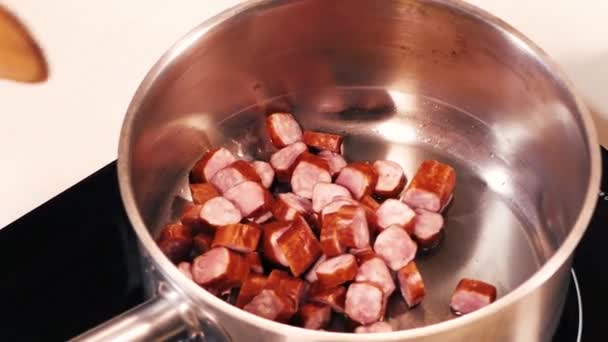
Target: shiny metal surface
[404,80]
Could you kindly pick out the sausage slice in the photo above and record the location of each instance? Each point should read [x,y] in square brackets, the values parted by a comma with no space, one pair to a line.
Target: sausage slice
[394,212]
[365,303]
[428,227]
[325,193]
[288,205]
[270,246]
[220,268]
[432,186]
[202,192]
[284,160]
[234,174]
[335,161]
[411,284]
[337,270]
[264,171]
[283,129]
[395,247]
[299,246]
[252,286]
[359,178]
[238,237]
[471,295]
[375,270]
[309,171]
[251,198]
[323,141]
[175,241]
[219,211]
[332,296]
[391,178]
[314,316]
[211,162]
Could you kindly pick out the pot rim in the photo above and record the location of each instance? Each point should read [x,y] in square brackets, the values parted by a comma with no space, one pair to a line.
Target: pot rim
[194,292]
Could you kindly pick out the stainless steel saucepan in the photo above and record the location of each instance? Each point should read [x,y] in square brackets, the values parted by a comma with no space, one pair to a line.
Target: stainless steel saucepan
[404,80]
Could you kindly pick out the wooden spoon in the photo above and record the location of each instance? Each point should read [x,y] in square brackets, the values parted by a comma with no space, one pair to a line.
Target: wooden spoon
[21,59]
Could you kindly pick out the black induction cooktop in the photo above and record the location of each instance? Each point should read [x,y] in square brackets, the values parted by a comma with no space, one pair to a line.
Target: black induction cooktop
[72,263]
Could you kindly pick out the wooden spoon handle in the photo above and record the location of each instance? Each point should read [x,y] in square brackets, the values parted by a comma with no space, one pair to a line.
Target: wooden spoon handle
[21,59]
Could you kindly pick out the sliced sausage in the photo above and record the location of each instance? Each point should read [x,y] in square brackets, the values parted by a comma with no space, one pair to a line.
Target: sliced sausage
[185,267]
[377,327]
[313,316]
[299,246]
[395,247]
[251,198]
[211,162]
[202,192]
[309,171]
[284,160]
[255,262]
[311,275]
[336,204]
[434,182]
[394,212]
[329,238]
[262,218]
[270,246]
[238,237]
[365,302]
[351,226]
[270,305]
[332,296]
[264,171]
[220,268]
[337,270]
[375,270]
[175,241]
[325,193]
[288,205]
[323,141]
[359,178]
[191,216]
[252,286]
[428,228]
[471,295]
[411,284]
[391,178]
[202,242]
[370,202]
[363,254]
[219,211]
[335,160]
[288,286]
[234,174]
[283,129]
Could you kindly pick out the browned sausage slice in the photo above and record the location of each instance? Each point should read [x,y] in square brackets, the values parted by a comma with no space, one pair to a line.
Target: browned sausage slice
[220,268]
[335,160]
[202,242]
[284,160]
[309,171]
[394,212]
[314,316]
[352,226]
[288,286]
[255,262]
[238,237]
[323,141]
[299,246]
[337,270]
[252,286]
[434,184]
[359,178]
[251,198]
[377,327]
[336,204]
[211,162]
[270,305]
[411,284]
[202,192]
[270,246]
[325,193]
[175,241]
[288,205]
[375,270]
[428,227]
[471,295]
[264,171]
[363,254]
[391,178]
[283,129]
[365,303]
[191,216]
[329,238]
[332,296]
[395,247]
[234,174]
[219,211]
[311,275]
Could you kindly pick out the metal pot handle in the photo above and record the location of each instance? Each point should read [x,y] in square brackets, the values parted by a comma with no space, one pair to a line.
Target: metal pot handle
[166,316]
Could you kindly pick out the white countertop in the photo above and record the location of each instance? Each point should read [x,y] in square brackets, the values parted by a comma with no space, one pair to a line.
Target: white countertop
[55,134]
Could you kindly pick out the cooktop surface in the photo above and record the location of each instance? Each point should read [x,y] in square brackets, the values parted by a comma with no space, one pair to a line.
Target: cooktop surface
[72,263]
